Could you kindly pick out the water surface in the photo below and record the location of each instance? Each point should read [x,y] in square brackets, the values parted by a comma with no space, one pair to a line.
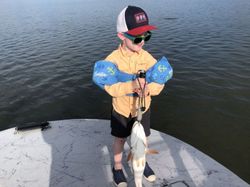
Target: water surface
[48,49]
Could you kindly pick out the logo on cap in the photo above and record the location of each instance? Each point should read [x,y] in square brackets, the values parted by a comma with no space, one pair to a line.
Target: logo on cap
[140,18]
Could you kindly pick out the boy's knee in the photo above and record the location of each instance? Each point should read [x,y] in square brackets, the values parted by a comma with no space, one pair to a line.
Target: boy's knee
[120,140]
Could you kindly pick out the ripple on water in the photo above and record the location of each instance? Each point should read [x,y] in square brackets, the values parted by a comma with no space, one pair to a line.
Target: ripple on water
[48,51]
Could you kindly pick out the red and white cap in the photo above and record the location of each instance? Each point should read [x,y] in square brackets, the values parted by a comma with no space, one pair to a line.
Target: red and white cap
[134,21]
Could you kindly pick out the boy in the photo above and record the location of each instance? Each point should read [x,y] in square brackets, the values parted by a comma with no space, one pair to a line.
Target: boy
[133,30]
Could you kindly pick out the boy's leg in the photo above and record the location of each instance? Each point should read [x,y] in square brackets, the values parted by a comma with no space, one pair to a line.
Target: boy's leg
[118,175]
[148,172]
[117,150]
[120,130]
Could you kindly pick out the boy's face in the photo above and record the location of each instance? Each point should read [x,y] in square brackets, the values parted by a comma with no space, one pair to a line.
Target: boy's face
[132,43]
[131,46]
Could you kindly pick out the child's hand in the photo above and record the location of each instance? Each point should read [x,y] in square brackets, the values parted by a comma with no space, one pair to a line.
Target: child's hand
[141,82]
[139,91]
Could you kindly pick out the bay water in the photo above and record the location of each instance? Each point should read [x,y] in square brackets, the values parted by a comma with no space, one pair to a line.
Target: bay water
[48,49]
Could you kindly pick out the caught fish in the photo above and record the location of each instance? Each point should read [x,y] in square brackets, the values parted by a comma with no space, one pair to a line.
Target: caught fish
[137,155]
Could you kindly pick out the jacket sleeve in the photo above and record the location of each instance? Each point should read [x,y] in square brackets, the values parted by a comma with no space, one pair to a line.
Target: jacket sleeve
[119,89]
[155,88]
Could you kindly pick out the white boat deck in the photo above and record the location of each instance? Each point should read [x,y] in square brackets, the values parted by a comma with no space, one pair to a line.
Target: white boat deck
[77,153]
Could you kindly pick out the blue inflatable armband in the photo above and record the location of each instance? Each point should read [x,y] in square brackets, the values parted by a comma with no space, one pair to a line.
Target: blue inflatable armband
[105,73]
[125,77]
[160,72]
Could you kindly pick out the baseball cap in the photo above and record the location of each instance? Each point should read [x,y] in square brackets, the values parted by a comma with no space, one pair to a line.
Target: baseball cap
[134,21]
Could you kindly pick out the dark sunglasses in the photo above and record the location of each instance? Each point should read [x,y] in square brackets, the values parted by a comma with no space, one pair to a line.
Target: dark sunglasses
[138,39]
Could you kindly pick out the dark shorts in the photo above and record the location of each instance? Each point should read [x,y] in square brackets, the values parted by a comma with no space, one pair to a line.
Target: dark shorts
[121,126]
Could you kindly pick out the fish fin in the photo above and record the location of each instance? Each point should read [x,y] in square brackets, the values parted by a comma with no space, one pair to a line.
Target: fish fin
[130,156]
[145,142]
[152,151]
[138,163]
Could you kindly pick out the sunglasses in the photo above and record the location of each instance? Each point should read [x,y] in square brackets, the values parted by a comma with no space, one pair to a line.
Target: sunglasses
[138,39]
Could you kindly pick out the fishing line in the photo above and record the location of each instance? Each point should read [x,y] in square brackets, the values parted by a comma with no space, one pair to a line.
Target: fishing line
[142,100]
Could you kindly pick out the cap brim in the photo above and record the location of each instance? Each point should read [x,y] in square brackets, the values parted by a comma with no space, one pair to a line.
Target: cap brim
[141,30]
